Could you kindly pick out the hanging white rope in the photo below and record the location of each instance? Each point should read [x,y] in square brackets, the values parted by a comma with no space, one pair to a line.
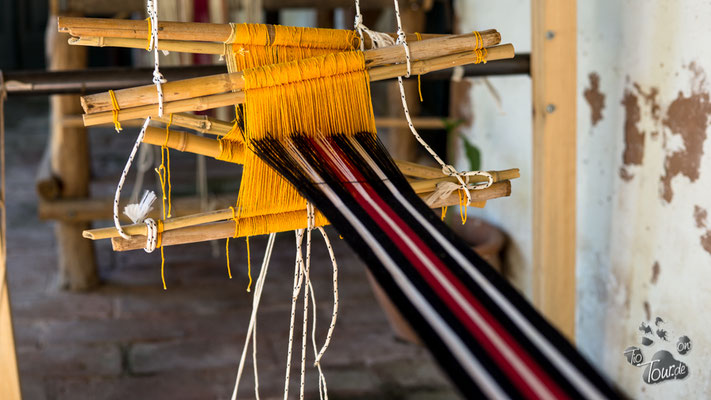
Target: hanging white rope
[323,390]
[298,278]
[252,329]
[122,180]
[152,11]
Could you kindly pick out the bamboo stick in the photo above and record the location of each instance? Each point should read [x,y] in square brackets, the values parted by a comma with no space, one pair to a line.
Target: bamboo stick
[225,229]
[214,126]
[190,143]
[177,46]
[99,209]
[209,85]
[232,98]
[169,30]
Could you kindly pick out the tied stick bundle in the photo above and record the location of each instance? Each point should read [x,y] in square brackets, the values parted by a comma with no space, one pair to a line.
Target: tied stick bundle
[261,44]
[202,38]
[226,89]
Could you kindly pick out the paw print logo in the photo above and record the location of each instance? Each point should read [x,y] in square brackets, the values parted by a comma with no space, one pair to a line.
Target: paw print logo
[662,366]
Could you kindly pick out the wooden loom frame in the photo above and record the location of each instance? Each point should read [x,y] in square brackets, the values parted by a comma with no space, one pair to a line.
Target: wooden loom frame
[554,81]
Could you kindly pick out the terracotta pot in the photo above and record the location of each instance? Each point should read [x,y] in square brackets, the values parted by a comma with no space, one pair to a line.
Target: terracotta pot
[487,240]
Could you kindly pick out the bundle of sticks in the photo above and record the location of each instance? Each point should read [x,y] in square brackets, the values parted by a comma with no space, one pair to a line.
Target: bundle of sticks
[432,53]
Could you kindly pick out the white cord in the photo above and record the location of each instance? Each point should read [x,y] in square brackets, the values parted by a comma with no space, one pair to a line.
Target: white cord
[252,329]
[298,277]
[158,79]
[151,235]
[117,196]
[323,389]
[307,289]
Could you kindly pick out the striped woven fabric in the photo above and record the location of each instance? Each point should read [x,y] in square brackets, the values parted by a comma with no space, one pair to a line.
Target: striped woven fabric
[486,336]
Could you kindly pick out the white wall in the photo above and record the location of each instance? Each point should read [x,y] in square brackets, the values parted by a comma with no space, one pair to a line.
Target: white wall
[502,131]
[628,218]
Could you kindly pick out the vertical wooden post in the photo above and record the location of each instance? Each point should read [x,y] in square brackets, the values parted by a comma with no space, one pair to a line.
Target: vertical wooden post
[9,377]
[70,163]
[554,75]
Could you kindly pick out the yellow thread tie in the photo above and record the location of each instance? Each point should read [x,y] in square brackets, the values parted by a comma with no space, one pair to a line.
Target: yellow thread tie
[115,110]
[150,36]
[159,243]
[463,209]
[479,48]
[419,80]
[164,172]
[444,212]
[227,242]
[249,265]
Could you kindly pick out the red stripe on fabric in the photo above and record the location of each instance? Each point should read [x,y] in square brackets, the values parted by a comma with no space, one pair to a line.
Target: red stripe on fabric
[441,291]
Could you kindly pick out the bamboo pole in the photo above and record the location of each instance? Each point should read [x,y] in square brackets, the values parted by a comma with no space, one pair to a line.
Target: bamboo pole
[169,30]
[209,85]
[190,143]
[177,46]
[100,209]
[214,126]
[225,229]
[232,98]
[184,141]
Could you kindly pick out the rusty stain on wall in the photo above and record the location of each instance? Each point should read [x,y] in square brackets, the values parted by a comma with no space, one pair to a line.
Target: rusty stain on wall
[700,215]
[655,273]
[595,98]
[651,99]
[634,138]
[688,117]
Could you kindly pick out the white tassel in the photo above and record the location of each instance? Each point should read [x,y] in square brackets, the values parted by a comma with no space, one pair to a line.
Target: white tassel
[138,212]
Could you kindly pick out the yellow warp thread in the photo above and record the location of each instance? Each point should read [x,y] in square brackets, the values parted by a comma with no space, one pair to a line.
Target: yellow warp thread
[150,36]
[419,80]
[249,265]
[255,45]
[323,95]
[164,171]
[444,212]
[115,110]
[159,240]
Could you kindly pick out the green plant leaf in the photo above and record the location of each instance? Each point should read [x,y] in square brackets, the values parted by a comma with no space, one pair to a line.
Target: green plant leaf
[473,154]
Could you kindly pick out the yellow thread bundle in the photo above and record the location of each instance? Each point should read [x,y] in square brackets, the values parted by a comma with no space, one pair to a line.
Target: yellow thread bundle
[252,46]
[317,96]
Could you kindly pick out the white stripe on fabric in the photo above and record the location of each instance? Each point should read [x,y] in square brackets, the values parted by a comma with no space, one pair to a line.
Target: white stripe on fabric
[584,386]
[521,368]
[457,347]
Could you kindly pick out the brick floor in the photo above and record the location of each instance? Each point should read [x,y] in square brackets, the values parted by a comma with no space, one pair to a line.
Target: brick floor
[131,339]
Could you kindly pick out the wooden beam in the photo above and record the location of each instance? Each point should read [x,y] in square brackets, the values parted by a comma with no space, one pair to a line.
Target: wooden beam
[97,209]
[554,76]
[70,164]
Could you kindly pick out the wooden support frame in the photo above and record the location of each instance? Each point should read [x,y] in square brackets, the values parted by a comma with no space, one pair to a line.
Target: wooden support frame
[554,80]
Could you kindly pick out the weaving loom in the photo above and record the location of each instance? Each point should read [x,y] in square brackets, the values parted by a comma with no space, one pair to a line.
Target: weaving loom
[305,133]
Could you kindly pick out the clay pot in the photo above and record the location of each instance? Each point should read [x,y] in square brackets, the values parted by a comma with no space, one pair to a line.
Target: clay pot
[487,240]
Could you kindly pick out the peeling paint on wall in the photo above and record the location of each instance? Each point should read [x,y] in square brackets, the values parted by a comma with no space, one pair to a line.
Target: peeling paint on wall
[634,137]
[687,116]
[595,98]
[700,215]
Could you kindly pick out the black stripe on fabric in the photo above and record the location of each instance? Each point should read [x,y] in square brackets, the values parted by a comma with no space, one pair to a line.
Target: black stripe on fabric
[452,265]
[376,151]
[427,333]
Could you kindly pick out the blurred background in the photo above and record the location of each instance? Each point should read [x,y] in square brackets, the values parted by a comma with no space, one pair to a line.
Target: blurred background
[606,228]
